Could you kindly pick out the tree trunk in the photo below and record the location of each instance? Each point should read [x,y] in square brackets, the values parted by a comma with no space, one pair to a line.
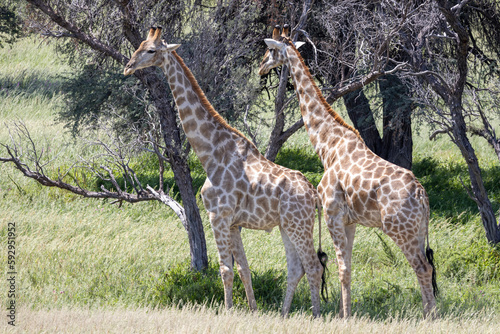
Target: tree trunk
[196,233]
[397,139]
[360,113]
[171,136]
[480,195]
[396,145]
[178,162]
[276,140]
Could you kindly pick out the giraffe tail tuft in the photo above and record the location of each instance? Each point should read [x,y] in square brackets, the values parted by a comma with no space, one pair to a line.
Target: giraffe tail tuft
[323,258]
[429,254]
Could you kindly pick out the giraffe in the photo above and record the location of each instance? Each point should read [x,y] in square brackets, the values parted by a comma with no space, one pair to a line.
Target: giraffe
[358,187]
[243,188]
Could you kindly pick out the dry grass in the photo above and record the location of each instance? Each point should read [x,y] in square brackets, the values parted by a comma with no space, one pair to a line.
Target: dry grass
[200,319]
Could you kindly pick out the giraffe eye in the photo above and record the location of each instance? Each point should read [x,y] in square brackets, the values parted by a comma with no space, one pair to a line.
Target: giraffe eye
[151,51]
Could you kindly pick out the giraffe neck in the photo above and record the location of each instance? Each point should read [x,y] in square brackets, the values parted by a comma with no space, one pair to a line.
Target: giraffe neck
[206,130]
[325,127]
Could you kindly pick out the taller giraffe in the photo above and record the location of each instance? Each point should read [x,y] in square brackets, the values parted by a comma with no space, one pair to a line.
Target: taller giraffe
[242,189]
[358,187]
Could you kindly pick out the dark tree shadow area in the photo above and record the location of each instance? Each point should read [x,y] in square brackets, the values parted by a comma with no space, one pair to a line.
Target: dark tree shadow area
[30,84]
[181,285]
[447,196]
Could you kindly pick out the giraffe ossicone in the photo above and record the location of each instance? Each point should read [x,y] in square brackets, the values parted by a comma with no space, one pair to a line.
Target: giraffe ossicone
[358,187]
[242,189]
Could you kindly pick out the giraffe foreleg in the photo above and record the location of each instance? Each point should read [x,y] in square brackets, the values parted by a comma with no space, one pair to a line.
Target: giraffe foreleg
[220,227]
[242,265]
[345,278]
[295,271]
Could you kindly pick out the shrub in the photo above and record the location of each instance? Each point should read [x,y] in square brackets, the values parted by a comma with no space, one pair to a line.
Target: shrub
[181,285]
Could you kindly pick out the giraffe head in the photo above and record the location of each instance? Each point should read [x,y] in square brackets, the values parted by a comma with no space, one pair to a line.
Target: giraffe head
[151,52]
[276,53]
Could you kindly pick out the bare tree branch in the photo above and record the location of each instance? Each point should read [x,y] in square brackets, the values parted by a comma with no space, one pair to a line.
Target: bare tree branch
[15,154]
[93,42]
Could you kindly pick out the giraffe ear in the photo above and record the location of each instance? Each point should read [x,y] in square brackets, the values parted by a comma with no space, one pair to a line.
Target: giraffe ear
[172,47]
[168,47]
[272,44]
[298,44]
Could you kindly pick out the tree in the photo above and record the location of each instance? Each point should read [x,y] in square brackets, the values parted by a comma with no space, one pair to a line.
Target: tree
[360,45]
[443,45]
[278,134]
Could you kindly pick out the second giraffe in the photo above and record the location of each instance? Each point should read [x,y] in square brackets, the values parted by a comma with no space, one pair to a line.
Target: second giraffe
[358,187]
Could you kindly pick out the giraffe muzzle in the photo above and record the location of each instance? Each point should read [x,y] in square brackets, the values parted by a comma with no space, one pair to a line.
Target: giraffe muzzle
[128,69]
[263,70]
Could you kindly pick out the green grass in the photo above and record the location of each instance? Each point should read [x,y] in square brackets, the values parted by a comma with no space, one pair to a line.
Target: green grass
[74,252]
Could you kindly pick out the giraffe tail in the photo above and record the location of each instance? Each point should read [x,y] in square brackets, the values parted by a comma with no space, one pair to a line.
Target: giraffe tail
[323,258]
[429,253]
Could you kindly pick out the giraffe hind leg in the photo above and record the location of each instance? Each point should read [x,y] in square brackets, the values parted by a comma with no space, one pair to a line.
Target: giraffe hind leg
[304,247]
[426,275]
[412,246]
[343,240]
[295,271]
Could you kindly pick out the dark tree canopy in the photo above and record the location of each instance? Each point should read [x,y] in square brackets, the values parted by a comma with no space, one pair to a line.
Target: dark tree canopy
[10,24]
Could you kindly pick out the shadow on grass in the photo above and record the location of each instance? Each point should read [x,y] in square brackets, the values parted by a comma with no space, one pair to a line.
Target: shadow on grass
[180,285]
[447,196]
[377,300]
[302,160]
[29,83]
[299,159]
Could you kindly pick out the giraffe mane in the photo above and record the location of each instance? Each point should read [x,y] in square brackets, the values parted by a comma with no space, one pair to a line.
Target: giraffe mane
[204,101]
[322,99]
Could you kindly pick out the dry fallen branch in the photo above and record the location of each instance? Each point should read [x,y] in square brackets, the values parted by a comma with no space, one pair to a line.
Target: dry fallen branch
[23,152]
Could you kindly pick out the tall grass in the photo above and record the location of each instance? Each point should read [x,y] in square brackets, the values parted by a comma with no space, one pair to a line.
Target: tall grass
[75,253]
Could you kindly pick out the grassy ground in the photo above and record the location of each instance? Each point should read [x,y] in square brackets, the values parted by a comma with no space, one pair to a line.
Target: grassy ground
[201,319]
[86,265]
